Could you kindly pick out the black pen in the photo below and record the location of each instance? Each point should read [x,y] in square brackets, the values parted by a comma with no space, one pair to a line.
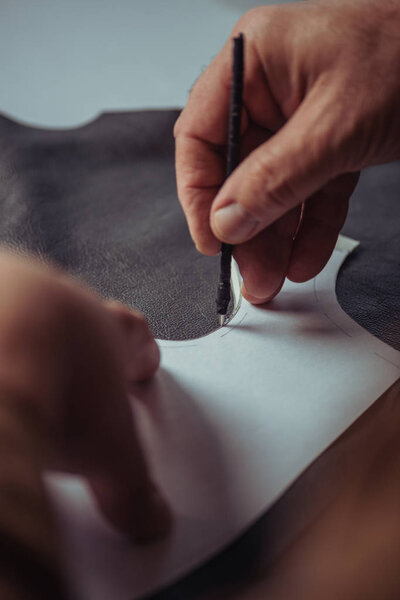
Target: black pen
[233,158]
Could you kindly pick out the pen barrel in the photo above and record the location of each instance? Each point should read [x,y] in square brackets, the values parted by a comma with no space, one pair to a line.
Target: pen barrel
[232,161]
[224,283]
[235,112]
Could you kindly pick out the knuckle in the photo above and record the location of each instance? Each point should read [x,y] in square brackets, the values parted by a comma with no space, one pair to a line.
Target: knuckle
[252,17]
[281,197]
[39,315]
[196,206]
[40,303]
[260,21]
[51,303]
[271,192]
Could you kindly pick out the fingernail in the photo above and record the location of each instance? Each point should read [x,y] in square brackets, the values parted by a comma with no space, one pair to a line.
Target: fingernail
[152,515]
[234,224]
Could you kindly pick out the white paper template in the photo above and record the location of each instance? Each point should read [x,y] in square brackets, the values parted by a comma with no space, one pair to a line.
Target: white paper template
[229,422]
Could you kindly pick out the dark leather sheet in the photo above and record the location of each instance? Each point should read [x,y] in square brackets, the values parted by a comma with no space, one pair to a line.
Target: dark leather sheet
[100,200]
[368,286]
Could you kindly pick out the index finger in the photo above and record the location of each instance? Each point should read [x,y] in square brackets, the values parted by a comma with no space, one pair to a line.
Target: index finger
[202,129]
[200,134]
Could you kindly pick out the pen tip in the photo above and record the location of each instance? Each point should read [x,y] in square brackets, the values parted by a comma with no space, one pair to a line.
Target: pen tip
[221,320]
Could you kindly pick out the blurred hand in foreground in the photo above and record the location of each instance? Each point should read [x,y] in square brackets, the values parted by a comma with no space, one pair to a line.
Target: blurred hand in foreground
[66,362]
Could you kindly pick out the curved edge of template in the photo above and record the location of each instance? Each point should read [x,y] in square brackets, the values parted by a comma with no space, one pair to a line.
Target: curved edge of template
[324,288]
[234,318]
[327,300]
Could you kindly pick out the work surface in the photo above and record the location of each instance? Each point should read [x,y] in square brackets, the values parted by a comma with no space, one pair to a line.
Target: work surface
[63,62]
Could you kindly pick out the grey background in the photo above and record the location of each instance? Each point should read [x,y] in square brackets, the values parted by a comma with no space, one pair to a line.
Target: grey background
[64,61]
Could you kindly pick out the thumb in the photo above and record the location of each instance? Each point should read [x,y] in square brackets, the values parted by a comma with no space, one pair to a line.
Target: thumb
[279,175]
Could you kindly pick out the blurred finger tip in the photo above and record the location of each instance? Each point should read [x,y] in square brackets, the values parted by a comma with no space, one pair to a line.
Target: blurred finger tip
[128,317]
[152,516]
[142,514]
[145,362]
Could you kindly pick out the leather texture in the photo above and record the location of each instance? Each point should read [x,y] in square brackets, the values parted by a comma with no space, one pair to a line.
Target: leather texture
[368,285]
[100,201]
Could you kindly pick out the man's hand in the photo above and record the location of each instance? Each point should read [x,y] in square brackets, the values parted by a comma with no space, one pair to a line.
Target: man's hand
[321,101]
[66,361]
